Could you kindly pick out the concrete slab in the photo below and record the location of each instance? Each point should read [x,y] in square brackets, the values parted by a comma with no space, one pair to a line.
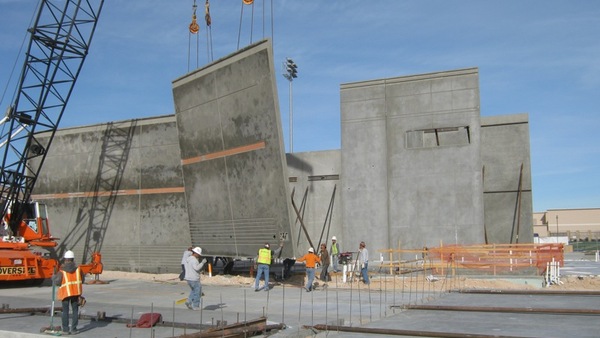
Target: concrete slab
[370,308]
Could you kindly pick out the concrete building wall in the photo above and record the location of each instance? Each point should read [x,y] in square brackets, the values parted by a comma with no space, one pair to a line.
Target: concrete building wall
[411,165]
[314,178]
[118,188]
[233,155]
[410,172]
[507,179]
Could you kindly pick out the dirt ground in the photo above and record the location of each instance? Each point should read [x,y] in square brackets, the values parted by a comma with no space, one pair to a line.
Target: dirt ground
[572,283]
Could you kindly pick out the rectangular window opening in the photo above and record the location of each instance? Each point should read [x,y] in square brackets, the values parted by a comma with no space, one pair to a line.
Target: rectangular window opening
[438,137]
[324,178]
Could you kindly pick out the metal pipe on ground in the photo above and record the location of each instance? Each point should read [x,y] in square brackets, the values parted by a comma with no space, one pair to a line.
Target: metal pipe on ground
[532,292]
[503,309]
[244,329]
[30,310]
[397,332]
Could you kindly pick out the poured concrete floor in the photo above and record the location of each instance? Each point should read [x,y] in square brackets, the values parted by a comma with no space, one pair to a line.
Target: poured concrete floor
[356,308]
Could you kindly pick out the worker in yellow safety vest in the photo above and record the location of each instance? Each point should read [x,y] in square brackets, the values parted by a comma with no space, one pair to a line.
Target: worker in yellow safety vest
[335,253]
[70,280]
[263,262]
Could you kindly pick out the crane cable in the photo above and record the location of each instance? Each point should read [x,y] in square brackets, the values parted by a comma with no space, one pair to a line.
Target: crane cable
[194,28]
[18,58]
[246,2]
[208,19]
[251,2]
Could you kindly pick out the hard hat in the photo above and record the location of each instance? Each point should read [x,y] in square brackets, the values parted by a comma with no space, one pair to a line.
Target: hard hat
[197,250]
[267,245]
[69,254]
[311,250]
[333,238]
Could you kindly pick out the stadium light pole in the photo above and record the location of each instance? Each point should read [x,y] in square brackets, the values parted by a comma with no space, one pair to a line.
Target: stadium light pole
[290,73]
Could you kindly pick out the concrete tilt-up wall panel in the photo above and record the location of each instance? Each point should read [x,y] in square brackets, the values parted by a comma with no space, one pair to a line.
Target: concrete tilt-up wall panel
[404,187]
[233,155]
[117,188]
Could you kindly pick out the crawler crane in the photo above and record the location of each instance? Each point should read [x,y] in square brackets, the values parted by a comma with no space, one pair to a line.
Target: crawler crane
[59,42]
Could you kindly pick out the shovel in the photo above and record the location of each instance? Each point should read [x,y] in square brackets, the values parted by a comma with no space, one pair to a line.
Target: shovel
[51,330]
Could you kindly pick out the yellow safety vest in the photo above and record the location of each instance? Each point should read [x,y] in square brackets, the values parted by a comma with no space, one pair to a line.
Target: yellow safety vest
[264,256]
[334,249]
[71,285]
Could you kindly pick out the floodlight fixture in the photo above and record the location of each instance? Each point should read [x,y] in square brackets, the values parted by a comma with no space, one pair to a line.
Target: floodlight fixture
[290,73]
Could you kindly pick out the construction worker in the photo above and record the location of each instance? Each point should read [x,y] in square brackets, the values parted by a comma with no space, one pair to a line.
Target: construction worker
[193,267]
[187,253]
[363,261]
[324,256]
[71,279]
[311,261]
[263,263]
[335,253]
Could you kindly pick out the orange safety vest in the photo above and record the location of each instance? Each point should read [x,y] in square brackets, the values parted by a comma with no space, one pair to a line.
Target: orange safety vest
[71,284]
[264,256]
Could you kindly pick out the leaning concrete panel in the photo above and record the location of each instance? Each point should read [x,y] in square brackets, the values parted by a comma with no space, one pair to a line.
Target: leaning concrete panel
[232,154]
[507,179]
[117,188]
[425,140]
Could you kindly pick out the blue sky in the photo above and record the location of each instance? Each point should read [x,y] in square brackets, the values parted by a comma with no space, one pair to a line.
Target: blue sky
[536,57]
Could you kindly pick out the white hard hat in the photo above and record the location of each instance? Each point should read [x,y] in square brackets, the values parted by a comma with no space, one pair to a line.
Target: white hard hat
[197,250]
[333,238]
[311,250]
[69,254]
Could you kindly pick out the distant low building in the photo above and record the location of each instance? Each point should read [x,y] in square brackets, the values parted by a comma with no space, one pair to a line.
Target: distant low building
[575,224]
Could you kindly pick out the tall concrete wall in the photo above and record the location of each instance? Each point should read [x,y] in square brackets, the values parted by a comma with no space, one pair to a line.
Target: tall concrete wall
[411,165]
[314,178]
[507,179]
[233,155]
[118,188]
[418,166]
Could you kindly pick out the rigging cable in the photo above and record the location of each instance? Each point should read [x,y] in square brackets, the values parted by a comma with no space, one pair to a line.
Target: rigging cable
[12,71]
[251,23]
[209,46]
[194,28]
[240,27]
[246,2]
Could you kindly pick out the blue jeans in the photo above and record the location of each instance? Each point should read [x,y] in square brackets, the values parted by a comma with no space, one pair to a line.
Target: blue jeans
[310,277]
[365,274]
[334,260]
[73,303]
[195,292]
[263,269]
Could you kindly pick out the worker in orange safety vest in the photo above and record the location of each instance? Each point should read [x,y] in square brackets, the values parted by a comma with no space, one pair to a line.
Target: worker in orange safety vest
[70,280]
